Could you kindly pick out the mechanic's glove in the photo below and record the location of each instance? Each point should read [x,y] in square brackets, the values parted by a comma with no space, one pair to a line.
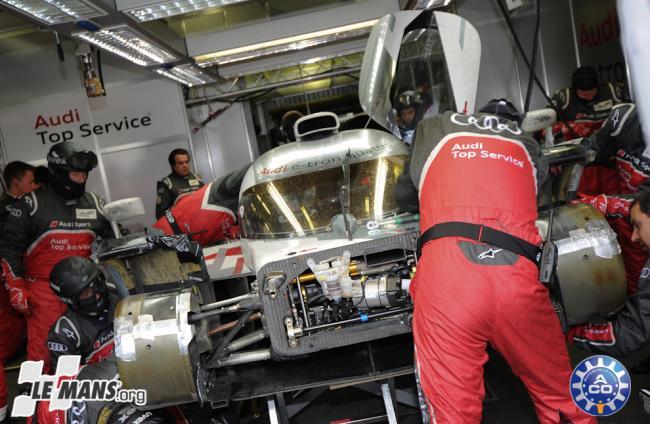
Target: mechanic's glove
[18,295]
[610,206]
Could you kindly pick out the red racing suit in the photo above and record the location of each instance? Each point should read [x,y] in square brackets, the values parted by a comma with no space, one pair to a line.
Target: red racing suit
[580,118]
[45,229]
[12,324]
[622,138]
[207,214]
[466,294]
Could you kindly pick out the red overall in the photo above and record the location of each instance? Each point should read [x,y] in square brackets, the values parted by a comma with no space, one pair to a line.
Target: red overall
[12,334]
[468,294]
[208,223]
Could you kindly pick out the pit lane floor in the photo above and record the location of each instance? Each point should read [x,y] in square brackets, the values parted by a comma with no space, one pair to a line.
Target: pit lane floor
[506,399]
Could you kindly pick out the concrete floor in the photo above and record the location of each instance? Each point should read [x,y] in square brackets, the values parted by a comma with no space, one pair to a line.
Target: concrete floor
[506,399]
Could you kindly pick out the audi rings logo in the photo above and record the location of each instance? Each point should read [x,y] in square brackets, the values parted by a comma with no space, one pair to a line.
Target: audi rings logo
[600,385]
[57,347]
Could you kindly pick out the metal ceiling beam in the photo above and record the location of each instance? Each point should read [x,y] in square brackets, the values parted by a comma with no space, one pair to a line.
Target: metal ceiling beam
[291,59]
[239,93]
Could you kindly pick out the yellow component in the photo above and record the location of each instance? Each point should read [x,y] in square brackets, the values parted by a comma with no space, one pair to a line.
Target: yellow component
[304,212]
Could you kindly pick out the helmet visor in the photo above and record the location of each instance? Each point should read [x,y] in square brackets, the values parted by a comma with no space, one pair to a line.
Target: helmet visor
[82,161]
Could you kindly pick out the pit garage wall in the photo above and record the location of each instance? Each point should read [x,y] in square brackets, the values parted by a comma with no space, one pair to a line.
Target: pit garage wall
[34,83]
[504,73]
[227,142]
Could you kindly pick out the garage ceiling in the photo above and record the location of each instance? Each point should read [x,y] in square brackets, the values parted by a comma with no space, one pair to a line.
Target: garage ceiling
[243,28]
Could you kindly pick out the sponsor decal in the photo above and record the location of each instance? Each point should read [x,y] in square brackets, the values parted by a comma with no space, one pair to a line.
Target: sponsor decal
[57,347]
[74,224]
[488,253]
[86,213]
[47,127]
[476,150]
[490,123]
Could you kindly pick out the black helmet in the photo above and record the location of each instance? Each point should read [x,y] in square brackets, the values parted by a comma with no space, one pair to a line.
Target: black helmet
[584,78]
[408,99]
[503,109]
[71,277]
[65,157]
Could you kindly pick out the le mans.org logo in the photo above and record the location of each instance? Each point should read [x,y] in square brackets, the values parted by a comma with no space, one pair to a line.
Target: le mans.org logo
[61,389]
[600,385]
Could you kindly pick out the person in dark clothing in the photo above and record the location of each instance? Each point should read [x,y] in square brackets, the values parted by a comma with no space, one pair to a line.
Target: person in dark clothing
[581,110]
[86,328]
[179,182]
[629,330]
[208,214]
[50,224]
[287,123]
[42,176]
[19,180]
[621,138]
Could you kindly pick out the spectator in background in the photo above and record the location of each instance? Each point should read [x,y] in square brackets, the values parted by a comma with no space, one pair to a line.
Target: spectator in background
[19,180]
[581,111]
[180,182]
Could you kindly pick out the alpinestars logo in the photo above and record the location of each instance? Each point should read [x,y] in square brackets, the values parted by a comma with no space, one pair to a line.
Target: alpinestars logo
[61,390]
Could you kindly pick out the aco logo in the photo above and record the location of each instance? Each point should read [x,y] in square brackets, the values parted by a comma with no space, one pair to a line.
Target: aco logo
[600,385]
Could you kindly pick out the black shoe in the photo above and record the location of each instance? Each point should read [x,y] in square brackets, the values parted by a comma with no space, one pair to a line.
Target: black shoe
[642,367]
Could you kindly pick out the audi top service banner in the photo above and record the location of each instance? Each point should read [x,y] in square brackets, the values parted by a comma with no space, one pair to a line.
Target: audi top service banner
[129,113]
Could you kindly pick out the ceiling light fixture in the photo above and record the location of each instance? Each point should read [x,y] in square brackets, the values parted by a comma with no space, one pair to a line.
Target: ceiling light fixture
[53,12]
[187,74]
[165,9]
[129,44]
[282,45]
[428,4]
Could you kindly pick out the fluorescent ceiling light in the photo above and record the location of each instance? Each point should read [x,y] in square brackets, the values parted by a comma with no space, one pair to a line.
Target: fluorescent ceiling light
[130,44]
[53,12]
[187,74]
[282,45]
[428,4]
[165,9]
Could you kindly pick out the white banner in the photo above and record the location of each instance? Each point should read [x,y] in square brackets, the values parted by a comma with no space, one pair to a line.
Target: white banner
[129,113]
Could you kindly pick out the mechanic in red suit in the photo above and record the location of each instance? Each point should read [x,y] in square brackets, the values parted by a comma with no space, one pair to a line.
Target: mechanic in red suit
[50,224]
[208,214]
[19,180]
[477,280]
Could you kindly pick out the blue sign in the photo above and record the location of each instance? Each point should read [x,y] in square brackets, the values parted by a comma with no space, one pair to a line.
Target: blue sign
[600,385]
